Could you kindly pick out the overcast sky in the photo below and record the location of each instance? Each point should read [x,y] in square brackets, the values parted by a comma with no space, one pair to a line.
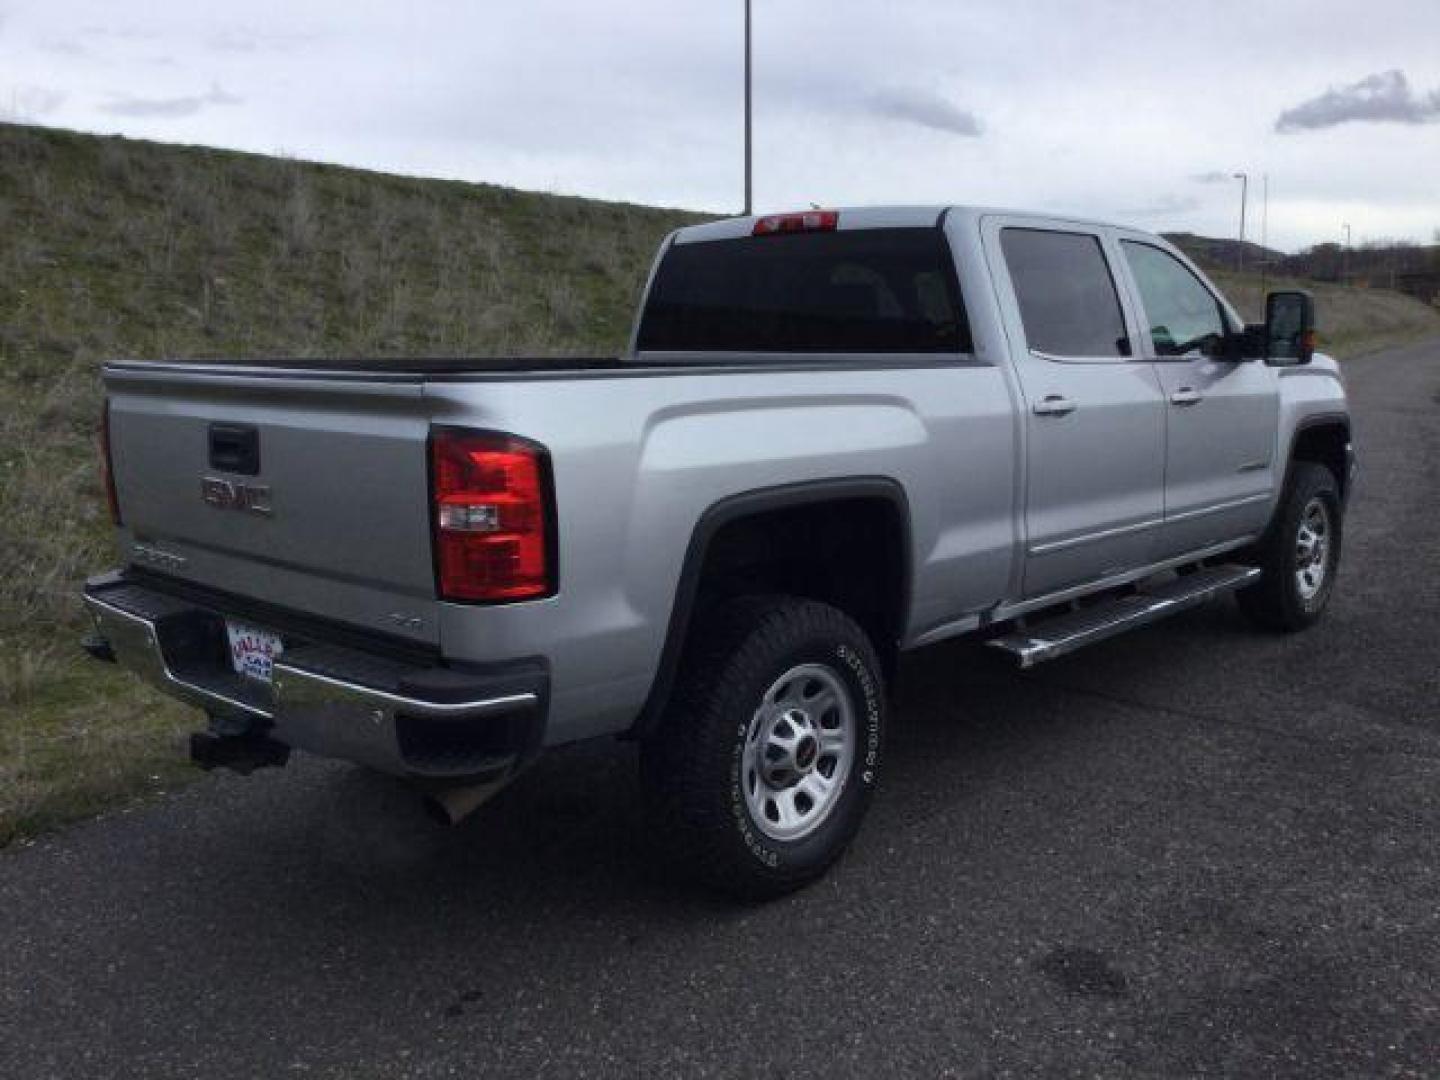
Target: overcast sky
[1136,110]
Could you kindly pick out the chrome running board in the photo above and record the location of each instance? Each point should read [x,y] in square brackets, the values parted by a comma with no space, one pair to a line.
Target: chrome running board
[1060,634]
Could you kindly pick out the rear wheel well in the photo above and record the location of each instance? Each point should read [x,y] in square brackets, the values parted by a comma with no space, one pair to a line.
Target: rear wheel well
[845,543]
[846,553]
[1325,444]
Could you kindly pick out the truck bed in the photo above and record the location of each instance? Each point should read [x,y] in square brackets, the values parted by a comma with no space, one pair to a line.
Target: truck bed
[383,365]
[404,369]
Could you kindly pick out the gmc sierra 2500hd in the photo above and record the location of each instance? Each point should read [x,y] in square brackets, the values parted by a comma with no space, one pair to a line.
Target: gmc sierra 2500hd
[836,435]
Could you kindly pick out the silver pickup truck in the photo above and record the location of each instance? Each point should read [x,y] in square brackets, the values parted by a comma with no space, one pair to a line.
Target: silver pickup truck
[836,435]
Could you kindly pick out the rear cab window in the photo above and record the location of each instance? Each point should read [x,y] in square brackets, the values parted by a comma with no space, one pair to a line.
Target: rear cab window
[1068,301]
[887,290]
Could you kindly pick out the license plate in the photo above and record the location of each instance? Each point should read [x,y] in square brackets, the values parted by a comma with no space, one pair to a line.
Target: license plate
[253,651]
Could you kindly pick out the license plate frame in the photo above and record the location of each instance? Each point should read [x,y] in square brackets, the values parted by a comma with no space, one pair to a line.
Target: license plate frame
[253,650]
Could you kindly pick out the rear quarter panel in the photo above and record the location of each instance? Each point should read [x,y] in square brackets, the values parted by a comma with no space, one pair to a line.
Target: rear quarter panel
[639,457]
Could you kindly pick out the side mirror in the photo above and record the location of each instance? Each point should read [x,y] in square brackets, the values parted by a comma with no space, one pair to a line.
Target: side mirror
[1249,344]
[1290,327]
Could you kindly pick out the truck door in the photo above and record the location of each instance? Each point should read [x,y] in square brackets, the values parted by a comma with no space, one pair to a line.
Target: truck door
[1094,414]
[1221,414]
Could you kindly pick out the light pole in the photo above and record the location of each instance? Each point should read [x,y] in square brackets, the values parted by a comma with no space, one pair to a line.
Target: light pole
[1345,254]
[747,108]
[1244,179]
[1264,228]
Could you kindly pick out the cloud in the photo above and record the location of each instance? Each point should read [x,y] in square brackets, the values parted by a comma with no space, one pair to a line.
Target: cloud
[926,109]
[1165,206]
[1383,97]
[170,107]
[248,40]
[64,47]
[118,33]
[28,103]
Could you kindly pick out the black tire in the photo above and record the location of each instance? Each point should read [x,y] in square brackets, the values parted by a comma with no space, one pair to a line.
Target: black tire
[1277,601]
[695,767]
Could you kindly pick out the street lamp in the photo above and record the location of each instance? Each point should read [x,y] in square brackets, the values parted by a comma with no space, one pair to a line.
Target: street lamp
[1244,179]
[1264,228]
[1345,254]
[747,108]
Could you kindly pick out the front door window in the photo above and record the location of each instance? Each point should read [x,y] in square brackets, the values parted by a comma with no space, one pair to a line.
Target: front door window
[1183,316]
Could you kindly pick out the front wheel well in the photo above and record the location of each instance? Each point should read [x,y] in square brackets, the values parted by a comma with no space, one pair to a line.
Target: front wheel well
[1325,443]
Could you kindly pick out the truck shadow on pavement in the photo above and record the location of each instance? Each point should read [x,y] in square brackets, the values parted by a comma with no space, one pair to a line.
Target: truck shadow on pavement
[1117,841]
[572,832]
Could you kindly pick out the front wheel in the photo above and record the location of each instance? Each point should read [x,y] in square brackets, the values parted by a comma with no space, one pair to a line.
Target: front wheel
[764,764]
[1299,555]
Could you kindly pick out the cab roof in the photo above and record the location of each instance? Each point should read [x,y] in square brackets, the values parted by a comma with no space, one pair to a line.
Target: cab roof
[876,217]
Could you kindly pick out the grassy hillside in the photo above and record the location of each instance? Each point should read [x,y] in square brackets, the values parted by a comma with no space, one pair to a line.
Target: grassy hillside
[1351,320]
[113,247]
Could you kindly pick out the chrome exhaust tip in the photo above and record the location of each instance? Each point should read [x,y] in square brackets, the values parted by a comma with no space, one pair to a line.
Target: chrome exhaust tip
[452,805]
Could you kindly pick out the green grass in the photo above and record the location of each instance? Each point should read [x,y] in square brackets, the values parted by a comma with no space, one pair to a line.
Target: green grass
[110,247]
[80,740]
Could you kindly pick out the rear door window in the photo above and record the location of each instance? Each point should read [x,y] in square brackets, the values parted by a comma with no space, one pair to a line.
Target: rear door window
[855,291]
[1067,296]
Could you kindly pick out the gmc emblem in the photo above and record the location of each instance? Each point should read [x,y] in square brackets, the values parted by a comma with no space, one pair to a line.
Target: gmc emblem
[234,495]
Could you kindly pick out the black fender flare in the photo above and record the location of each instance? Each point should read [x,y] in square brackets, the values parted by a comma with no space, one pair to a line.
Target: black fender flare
[1317,420]
[747,504]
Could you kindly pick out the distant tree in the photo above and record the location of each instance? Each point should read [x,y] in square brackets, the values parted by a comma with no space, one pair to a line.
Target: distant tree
[1321,261]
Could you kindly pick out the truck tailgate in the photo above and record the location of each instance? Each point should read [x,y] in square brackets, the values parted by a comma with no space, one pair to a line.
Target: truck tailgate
[307,490]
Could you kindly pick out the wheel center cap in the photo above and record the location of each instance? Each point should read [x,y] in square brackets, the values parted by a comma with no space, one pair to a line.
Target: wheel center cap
[791,748]
[806,751]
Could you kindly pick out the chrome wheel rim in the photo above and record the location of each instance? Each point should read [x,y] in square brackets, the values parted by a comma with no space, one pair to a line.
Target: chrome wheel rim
[798,751]
[1312,549]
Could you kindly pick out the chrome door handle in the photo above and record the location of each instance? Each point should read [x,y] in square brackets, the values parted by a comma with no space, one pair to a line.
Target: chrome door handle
[1053,405]
[1186,395]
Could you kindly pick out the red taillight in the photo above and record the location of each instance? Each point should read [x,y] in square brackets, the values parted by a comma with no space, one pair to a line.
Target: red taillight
[107,467]
[804,221]
[491,512]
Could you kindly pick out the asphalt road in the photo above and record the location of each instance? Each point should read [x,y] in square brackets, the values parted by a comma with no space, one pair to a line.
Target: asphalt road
[1195,850]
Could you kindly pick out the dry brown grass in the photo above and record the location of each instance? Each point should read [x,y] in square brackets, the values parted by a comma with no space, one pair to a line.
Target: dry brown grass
[1351,321]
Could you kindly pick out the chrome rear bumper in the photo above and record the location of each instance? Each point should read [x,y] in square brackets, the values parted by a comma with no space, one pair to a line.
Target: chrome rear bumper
[390,714]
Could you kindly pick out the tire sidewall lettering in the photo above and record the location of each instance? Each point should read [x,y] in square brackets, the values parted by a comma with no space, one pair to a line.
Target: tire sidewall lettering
[870,695]
[749,835]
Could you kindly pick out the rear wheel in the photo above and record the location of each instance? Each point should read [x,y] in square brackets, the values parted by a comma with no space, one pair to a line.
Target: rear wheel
[1299,554]
[764,764]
